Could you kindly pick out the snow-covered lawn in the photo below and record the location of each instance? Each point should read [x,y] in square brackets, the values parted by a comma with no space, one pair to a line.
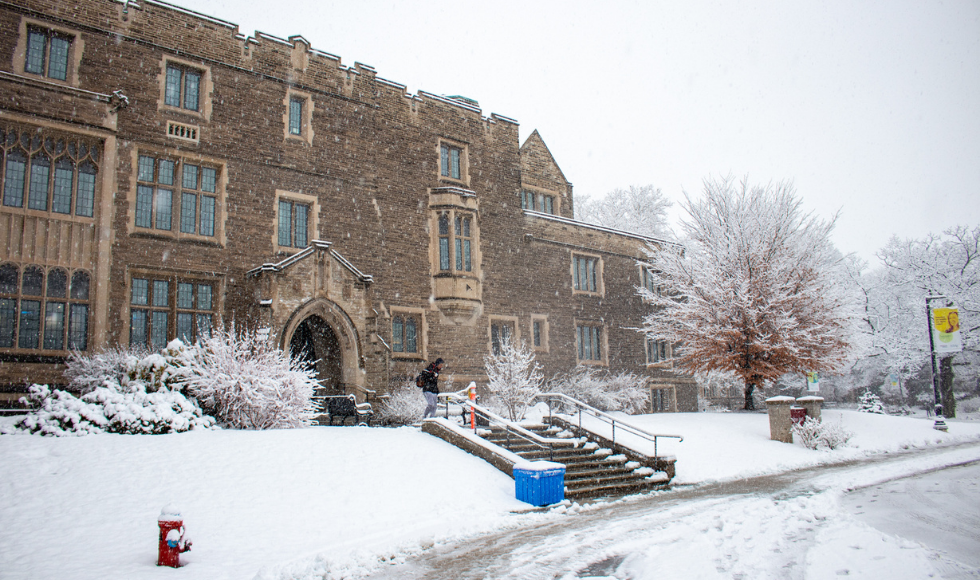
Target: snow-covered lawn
[325,502]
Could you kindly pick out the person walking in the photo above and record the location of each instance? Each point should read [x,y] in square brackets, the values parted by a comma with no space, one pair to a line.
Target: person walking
[430,390]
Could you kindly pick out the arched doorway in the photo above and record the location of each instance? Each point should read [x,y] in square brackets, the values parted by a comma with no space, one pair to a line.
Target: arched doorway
[316,344]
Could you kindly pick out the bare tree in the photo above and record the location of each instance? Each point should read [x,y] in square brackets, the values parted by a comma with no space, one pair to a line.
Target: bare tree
[756,292]
[637,209]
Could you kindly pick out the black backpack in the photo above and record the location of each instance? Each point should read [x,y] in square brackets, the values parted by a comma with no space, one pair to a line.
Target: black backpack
[422,379]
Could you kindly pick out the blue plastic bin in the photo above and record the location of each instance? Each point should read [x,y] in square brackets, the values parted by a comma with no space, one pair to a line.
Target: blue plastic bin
[539,482]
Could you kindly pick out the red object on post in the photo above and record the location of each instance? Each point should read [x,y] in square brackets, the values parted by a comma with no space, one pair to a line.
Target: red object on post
[171,542]
[797,414]
[472,389]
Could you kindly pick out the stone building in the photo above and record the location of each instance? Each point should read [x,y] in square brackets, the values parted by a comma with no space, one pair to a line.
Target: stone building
[164,174]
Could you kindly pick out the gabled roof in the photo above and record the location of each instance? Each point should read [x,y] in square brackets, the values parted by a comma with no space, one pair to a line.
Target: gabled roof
[305,253]
[535,145]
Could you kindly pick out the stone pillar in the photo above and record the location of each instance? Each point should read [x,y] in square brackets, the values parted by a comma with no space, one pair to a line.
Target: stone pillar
[780,424]
[812,404]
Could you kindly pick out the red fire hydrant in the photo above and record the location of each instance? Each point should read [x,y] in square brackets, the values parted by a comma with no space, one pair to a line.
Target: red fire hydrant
[173,540]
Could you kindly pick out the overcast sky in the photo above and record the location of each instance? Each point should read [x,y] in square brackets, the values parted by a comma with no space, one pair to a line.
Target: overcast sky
[872,109]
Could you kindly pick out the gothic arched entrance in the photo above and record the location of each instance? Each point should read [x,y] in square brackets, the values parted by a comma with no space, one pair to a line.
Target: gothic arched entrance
[322,335]
[316,344]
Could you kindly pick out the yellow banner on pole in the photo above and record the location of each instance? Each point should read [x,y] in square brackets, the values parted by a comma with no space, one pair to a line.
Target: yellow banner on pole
[946,330]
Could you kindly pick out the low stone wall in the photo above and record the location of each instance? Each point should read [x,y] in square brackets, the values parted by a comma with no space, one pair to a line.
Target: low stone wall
[503,460]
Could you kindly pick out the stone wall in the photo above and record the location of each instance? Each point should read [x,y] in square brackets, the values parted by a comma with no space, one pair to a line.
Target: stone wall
[367,162]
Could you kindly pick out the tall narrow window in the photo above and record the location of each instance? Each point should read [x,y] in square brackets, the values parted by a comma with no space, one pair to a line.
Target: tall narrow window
[589,339]
[539,332]
[193,311]
[585,273]
[404,334]
[500,333]
[450,161]
[159,319]
[444,241]
[15,171]
[78,315]
[548,204]
[649,281]
[656,351]
[30,309]
[38,191]
[85,200]
[295,116]
[64,173]
[463,244]
[47,54]
[9,285]
[456,242]
[527,199]
[293,224]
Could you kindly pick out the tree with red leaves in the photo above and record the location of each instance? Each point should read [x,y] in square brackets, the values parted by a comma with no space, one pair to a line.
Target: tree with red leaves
[757,289]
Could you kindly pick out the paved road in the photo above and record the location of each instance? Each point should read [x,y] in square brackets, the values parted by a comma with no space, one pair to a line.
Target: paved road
[590,543]
[940,510]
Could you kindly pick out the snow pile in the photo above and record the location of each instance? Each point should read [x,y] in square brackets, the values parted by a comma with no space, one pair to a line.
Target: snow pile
[246,382]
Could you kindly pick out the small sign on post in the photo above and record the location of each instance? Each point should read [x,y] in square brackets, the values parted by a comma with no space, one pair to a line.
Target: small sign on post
[813,381]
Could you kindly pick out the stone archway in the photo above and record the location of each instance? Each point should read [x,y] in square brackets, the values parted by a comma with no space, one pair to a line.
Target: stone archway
[322,334]
[316,344]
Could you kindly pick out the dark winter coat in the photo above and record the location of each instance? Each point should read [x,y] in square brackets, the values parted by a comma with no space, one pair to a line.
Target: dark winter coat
[431,375]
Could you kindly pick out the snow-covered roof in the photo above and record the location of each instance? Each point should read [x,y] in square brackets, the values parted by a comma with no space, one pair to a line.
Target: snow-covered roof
[577,223]
[314,246]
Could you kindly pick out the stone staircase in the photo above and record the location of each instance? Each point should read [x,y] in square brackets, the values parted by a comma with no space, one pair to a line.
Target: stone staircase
[590,469]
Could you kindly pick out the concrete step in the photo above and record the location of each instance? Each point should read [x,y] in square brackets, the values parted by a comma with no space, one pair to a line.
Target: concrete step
[590,470]
[607,489]
[587,473]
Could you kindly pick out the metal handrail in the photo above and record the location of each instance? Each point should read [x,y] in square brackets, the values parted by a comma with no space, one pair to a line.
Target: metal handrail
[510,427]
[605,418]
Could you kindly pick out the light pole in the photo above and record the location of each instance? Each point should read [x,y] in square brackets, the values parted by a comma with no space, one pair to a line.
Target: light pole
[940,424]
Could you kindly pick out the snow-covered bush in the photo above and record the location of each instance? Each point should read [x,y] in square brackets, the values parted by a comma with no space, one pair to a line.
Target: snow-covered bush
[154,370]
[246,382]
[405,404]
[603,390]
[808,432]
[514,378]
[88,371]
[834,435]
[870,403]
[814,434]
[110,408]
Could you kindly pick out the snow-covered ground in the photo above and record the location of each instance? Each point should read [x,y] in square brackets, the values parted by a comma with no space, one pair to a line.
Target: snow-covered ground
[342,502]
